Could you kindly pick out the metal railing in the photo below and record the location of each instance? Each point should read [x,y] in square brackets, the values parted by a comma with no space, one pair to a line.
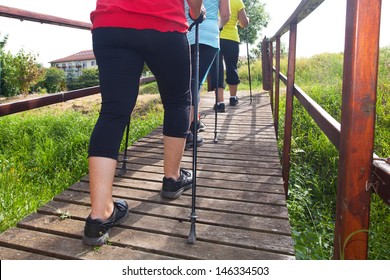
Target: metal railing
[360,172]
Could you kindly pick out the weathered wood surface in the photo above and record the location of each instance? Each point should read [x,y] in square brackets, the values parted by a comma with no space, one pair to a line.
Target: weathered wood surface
[240,200]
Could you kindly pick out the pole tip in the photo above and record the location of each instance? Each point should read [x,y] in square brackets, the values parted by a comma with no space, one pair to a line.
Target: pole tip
[191,238]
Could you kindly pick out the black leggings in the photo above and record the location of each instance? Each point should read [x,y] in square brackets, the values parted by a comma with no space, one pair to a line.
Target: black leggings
[207,56]
[120,54]
[229,52]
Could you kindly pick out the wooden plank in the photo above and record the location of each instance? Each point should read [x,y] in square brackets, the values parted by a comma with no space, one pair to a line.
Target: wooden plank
[13,254]
[216,153]
[150,188]
[203,163]
[63,247]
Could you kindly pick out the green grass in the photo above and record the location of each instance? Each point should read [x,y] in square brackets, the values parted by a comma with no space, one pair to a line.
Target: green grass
[44,151]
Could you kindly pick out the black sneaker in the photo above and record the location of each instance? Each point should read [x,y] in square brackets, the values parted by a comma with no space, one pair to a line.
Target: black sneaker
[200,125]
[190,141]
[174,188]
[96,231]
[233,101]
[220,107]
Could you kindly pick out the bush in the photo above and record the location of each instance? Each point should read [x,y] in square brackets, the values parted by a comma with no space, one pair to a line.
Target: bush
[89,78]
[19,73]
[54,81]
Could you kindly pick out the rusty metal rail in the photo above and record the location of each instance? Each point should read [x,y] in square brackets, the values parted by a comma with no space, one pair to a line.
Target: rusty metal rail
[42,18]
[360,173]
[29,104]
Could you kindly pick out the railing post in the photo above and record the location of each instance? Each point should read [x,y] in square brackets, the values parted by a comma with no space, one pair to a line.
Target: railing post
[357,128]
[271,76]
[277,87]
[265,63]
[289,106]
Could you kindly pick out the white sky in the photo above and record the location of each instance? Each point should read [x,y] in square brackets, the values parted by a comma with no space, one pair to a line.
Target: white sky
[53,42]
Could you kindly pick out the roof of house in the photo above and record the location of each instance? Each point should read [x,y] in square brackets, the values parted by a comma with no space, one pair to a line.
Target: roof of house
[80,56]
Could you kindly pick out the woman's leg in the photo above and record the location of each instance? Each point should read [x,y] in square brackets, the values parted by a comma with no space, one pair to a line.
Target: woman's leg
[231,53]
[169,61]
[119,71]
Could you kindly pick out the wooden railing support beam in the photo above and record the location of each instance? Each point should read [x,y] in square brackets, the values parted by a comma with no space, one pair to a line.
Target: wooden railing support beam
[289,106]
[277,87]
[265,63]
[360,77]
[271,76]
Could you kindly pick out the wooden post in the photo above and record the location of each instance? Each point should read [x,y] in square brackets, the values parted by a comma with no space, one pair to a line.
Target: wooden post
[277,87]
[271,76]
[265,63]
[289,106]
[357,128]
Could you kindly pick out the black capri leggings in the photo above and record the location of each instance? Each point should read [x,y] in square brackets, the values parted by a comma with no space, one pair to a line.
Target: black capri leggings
[207,56]
[120,54]
[229,52]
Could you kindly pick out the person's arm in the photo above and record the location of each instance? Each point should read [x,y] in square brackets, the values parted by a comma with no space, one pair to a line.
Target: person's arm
[195,8]
[243,18]
[224,13]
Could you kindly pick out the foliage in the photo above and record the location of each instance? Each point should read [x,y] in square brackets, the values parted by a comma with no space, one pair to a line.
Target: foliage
[3,42]
[89,77]
[20,73]
[54,80]
[258,19]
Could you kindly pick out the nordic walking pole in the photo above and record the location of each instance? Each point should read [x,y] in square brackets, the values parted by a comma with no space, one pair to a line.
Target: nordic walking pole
[124,160]
[192,236]
[216,98]
[249,67]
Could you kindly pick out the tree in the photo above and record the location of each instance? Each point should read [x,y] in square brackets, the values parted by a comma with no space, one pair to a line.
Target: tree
[55,80]
[89,77]
[258,19]
[20,73]
[3,42]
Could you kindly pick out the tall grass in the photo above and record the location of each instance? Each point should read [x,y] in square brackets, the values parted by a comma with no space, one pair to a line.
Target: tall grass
[44,151]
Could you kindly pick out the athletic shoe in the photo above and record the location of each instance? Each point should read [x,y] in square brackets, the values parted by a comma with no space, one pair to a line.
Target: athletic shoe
[96,231]
[190,141]
[220,107]
[174,188]
[200,125]
[233,101]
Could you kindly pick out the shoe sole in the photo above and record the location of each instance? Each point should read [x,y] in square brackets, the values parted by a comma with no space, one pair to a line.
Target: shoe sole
[176,194]
[190,146]
[96,241]
[105,237]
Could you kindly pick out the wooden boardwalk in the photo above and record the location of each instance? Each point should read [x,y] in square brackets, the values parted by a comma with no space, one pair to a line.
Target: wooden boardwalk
[241,206]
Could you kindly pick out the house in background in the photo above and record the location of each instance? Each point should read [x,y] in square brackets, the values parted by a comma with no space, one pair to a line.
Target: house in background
[73,64]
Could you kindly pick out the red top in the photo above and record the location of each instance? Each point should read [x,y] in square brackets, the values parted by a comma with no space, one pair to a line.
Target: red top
[160,15]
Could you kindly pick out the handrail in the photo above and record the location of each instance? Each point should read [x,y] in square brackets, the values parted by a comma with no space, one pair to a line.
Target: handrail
[324,120]
[305,8]
[42,18]
[360,172]
[29,104]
